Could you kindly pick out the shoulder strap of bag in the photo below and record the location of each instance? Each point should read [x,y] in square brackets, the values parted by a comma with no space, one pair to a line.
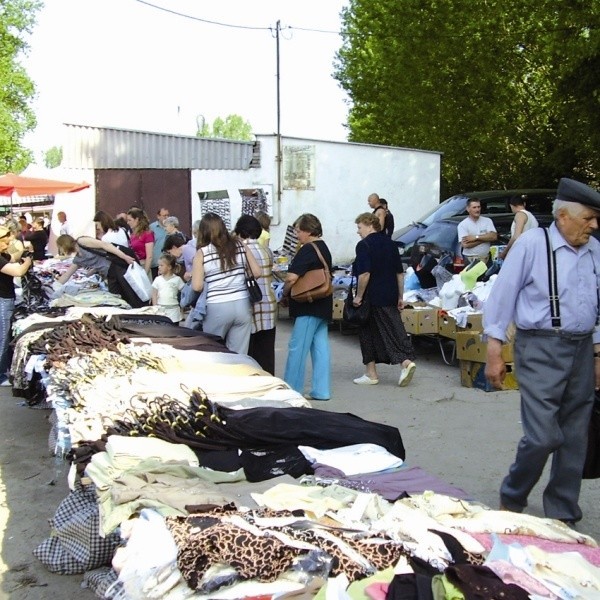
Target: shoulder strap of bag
[245,260]
[325,266]
[109,255]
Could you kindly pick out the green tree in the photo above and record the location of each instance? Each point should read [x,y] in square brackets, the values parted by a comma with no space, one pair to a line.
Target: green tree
[506,89]
[17,18]
[53,157]
[232,128]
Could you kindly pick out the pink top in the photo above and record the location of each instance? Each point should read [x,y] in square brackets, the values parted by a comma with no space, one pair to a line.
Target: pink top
[138,243]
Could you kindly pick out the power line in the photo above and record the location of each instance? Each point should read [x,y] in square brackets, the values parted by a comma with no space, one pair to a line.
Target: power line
[185,16]
[230,25]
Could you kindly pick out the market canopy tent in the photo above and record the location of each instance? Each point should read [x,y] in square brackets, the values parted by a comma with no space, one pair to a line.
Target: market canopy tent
[34,186]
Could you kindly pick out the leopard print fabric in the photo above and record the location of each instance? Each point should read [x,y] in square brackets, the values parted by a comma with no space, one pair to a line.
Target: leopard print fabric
[203,540]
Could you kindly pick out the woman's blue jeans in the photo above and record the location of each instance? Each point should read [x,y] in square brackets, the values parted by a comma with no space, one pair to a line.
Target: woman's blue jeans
[309,335]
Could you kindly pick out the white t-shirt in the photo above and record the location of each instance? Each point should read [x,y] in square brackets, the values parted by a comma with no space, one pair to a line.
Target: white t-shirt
[470,227]
[116,237]
[167,290]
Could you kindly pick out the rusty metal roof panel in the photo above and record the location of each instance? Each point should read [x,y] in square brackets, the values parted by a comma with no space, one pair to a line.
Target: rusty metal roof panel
[87,147]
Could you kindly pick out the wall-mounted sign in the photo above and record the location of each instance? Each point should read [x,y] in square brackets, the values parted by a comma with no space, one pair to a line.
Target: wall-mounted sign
[299,167]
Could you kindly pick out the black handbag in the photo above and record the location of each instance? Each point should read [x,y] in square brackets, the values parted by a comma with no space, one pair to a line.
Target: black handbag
[356,315]
[254,291]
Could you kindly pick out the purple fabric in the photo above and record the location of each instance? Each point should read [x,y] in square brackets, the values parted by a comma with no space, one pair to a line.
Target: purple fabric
[392,485]
[592,555]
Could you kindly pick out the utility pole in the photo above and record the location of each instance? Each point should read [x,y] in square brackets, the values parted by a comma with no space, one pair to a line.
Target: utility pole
[279,165]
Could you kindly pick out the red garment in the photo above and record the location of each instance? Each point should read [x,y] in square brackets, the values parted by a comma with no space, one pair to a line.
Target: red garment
[138,243]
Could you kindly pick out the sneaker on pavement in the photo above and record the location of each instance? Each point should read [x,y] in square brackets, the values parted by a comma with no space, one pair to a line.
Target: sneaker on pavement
[407,374]
[365,380]
[5,383]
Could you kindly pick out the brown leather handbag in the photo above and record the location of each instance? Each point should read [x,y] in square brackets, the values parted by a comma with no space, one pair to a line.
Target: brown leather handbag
[314,284]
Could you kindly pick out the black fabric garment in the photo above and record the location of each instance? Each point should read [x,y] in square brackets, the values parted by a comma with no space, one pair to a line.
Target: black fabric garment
[410,586]
[481,583]
[388,224]
[262,349]
[226,461]
[7,282]
[459,555]
[591,469]
[267,463]
[161,329]
[383,338]
[267,427]
[39,241]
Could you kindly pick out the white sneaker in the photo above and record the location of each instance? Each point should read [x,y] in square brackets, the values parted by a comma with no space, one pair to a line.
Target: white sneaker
[365,380]
[407,374]
[5,383]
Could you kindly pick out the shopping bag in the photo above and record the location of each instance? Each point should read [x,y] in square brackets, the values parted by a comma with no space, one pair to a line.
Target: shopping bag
[356,315]
[137,278]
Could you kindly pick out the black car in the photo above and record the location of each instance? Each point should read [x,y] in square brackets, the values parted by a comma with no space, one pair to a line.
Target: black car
[441,238]
[493,202]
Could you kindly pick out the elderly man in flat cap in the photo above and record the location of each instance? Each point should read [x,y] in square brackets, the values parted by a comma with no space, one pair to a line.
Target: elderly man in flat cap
[548,286]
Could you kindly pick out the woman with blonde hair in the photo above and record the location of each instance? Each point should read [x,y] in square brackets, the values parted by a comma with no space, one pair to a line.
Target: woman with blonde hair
[141,239]
[220,265]
[380,277]
[8,271]
[16,246]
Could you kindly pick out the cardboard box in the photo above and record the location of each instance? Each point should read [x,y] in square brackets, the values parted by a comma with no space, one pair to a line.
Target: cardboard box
[470,346]
[446,325]
[338,309]
[472,375]
[474,323]
[420,319]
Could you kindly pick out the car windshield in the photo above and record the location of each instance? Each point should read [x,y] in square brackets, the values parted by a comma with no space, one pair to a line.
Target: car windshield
[442,234]
[455,205]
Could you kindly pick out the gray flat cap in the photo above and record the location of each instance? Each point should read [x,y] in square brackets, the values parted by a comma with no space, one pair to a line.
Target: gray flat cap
[575,191]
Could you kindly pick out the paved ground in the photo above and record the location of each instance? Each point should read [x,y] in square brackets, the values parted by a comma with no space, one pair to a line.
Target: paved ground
[466,437]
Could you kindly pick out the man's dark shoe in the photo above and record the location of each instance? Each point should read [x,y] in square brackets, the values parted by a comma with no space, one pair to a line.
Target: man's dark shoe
[569,523]
[507,509]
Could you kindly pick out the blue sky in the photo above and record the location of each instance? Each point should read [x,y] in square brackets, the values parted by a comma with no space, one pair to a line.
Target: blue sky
[123,63]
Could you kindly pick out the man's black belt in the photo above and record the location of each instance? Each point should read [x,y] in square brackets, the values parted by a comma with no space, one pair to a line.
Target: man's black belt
[567,335]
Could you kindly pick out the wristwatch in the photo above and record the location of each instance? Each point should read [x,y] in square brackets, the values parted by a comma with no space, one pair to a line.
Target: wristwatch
[596,354]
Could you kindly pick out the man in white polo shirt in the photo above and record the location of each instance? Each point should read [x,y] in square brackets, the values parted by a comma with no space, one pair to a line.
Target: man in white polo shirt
[475,233]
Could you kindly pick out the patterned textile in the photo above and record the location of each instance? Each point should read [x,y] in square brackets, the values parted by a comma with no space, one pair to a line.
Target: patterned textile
[383,339]
[263,312]
[223,536]
[75,545]
[100,581]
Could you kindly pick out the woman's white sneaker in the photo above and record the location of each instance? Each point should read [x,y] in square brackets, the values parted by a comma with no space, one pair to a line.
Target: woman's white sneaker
[407,374]
[365,380]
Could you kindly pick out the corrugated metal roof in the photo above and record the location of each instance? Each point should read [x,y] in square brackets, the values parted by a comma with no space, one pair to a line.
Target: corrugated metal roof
[88,147]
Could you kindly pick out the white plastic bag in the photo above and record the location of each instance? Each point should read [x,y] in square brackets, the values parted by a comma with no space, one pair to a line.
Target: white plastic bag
[137,278]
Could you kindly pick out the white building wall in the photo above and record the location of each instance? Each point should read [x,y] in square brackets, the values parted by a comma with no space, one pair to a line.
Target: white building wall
[345,174]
